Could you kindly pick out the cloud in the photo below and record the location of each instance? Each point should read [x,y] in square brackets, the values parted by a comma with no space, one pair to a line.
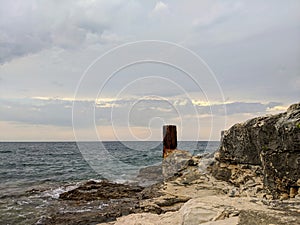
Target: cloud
[38,112]
[133,111]
[125,115]
[252,46]
[216,13]
[159,7]
[160,12]
[235,108]
[31,26]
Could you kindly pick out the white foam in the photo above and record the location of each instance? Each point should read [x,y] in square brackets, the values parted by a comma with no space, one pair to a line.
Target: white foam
[58,191]
[97,181]
[77,211]
[103,206]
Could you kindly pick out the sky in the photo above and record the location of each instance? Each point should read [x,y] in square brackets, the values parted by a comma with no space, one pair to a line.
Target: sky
[56,61]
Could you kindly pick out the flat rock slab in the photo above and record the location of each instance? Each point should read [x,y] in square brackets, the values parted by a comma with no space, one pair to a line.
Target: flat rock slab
[102,191]
[215,210]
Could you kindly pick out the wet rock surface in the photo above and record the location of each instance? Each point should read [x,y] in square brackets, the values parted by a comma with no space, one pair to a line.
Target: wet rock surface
[103,190]
[94,202]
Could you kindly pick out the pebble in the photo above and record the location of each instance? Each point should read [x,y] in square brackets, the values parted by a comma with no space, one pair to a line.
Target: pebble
[232,192]
[293,192]
[284,196]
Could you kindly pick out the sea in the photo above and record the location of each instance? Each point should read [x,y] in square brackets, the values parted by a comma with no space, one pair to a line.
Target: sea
[34,174]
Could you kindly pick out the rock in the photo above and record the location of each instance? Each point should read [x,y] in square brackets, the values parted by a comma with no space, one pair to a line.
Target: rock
[293,192]
[197,215]
[221,173]
[284,196]
[150,175]
[247,179]
[219,210]
[103,190]
[175,162]
[272,142]
[255,217]
[95,216]
[152,191]
[232,192]
[204,163]
[163,204]
[193,212]
[95,202]
[227,221]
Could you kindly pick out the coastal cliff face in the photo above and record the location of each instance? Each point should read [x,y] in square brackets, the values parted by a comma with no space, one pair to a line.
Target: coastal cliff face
[270,142]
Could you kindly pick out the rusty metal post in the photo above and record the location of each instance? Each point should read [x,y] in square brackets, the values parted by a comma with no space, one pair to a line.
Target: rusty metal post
[169,139]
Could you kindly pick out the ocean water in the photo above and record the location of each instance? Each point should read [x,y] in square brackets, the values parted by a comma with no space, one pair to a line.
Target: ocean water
[32,175]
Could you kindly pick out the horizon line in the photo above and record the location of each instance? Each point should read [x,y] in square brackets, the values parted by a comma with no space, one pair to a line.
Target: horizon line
[24,141]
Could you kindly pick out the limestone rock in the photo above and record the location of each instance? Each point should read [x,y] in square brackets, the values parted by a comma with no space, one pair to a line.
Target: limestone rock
[220,210]
[262,218]
[193,212]
[247,179]
[176,162]
[150,175]
[272,142]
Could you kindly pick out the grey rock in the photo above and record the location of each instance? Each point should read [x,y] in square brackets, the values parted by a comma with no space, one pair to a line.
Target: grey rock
[176,162]
[150,175]
[232,192]
[261,218]
[272,142]
[221,173]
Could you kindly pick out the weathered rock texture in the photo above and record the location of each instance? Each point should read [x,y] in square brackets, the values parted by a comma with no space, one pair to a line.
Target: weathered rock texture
[176,162]
[272,142]
[103,190]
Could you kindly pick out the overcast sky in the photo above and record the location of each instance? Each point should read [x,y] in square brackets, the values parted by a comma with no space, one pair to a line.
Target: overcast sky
[252,47]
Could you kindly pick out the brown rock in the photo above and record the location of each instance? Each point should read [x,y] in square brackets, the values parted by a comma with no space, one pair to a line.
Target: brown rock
[284,196]
[103,190]
[293,192]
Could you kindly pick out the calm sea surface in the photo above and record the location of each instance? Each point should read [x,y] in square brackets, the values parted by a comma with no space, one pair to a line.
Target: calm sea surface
[32,175]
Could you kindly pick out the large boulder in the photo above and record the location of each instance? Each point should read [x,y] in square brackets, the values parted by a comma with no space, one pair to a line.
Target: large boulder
[272,142]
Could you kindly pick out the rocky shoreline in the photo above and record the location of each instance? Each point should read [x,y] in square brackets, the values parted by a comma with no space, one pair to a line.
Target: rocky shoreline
[252,179]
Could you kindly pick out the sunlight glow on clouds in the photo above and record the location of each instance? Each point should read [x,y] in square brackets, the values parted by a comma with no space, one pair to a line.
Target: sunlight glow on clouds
[47,113]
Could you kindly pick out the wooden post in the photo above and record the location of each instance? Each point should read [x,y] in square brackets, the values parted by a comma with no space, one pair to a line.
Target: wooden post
[169,139]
